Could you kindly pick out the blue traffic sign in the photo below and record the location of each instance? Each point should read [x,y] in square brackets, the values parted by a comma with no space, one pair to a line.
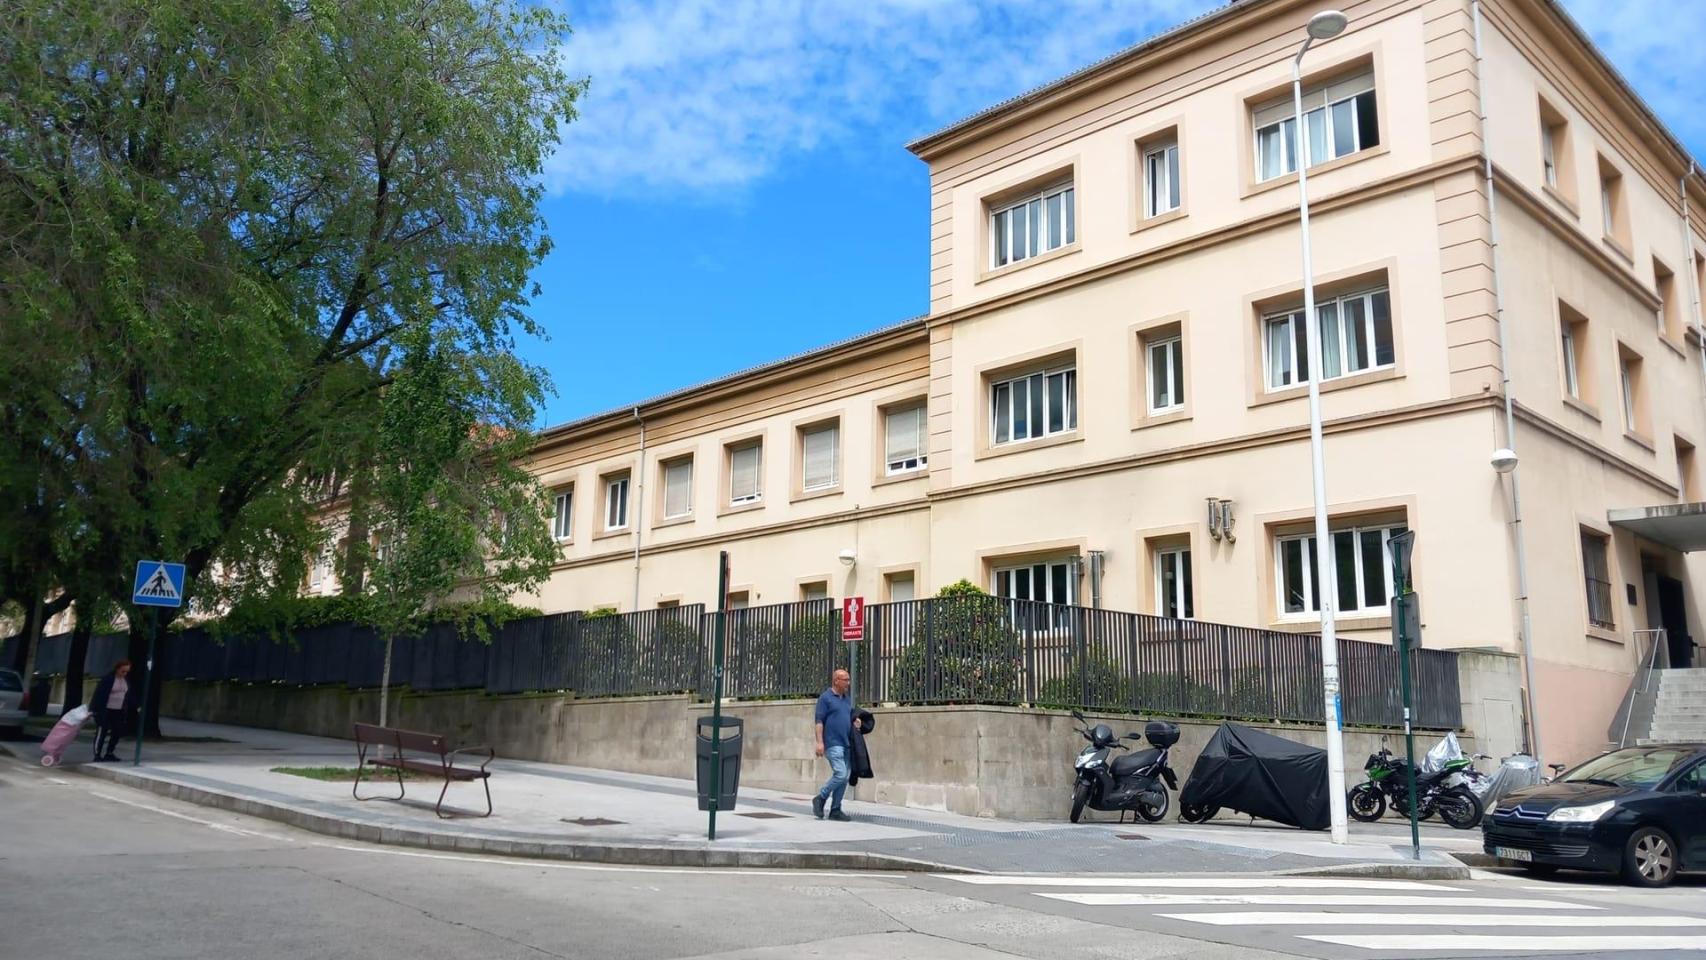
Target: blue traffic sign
[158,584]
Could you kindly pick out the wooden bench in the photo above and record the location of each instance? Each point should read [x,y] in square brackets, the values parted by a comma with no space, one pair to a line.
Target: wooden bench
[433,756]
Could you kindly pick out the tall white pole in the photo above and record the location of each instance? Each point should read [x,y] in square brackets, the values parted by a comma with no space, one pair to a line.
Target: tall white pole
[1325,579]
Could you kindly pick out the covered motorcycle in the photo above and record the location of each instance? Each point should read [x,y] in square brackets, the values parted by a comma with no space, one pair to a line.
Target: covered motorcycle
[1258,773]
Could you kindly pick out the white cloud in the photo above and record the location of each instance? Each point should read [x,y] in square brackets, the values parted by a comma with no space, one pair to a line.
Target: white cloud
[696,95]
[702,97]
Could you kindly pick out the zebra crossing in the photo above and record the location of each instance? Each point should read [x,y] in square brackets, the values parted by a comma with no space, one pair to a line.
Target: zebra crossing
[1362,916]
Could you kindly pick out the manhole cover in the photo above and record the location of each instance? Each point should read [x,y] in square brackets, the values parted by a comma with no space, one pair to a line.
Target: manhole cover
[1130,836]
[592,821]
[763,815]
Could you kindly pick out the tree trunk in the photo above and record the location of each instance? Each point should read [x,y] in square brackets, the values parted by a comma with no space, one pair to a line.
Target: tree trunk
[21,654]
[385,681]
[81,632]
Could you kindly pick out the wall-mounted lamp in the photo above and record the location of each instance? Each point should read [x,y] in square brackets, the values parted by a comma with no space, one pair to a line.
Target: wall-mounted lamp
[1220,519]
[847,557]
[1504,460]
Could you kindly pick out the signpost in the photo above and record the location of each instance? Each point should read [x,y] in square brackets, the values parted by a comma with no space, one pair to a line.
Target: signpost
[1406,627]
[717,689]
[158,584]
[853,631]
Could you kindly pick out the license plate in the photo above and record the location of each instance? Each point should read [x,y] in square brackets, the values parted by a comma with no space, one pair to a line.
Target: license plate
[1512,853]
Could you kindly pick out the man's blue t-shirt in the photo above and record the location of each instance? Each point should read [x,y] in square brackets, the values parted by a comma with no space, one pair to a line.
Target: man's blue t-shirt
[835,712]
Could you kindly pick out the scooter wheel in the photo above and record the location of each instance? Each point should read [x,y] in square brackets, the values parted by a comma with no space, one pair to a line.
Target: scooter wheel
[1366,803]
[1080,796]
[1153,814]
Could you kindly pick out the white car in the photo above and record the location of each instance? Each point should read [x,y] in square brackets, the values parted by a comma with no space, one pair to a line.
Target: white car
[12,702]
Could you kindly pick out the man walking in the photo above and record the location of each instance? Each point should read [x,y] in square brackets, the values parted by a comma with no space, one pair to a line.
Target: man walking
[834,732]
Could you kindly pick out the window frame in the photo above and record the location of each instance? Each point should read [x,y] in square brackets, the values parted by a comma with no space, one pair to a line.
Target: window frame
[1603,543]
[831,426]
[665,468]
[563,514]
[1175,370]
[1068,371]
[1299,338]
[1310,580]
[921,461]
[730,452]
[999,221]
[613,482]
[1029,568]
[1289,144]
[1572,361]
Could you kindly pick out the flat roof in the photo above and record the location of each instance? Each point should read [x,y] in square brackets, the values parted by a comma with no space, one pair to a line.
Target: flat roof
[1680,526]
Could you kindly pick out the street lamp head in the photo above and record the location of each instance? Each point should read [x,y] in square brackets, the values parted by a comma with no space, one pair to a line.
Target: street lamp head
[1327,24]
[1504,460]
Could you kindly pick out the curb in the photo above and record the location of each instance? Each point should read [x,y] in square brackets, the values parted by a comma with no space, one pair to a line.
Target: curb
[649,855]
[1385,871]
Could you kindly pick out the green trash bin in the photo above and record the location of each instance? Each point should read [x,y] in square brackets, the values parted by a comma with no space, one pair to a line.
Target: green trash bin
[729,749]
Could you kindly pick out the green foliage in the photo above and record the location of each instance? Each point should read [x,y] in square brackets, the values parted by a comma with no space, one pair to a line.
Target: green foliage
[964,649]
[768,661]
[278,617]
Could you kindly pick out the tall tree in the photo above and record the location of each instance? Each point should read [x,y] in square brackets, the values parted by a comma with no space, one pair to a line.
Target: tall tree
[219,222]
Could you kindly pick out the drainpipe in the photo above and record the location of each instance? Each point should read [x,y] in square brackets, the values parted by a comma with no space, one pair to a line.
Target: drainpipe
[1510,413]
[1096,579]
[639,506]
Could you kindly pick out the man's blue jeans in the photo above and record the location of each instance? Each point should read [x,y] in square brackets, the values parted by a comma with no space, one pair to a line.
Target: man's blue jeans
[836,786]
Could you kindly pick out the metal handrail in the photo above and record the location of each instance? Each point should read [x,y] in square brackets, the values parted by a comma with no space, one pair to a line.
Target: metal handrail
[1639,685]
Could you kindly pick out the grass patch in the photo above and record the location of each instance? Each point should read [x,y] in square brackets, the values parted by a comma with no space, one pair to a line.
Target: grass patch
[345,774]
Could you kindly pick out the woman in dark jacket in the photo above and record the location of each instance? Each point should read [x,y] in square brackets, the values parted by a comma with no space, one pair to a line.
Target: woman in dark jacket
[111,706]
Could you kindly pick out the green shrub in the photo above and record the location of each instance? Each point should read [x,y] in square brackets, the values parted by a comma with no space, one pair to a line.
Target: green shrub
[963,649]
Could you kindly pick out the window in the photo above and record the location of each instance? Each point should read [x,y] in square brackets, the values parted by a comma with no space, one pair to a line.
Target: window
[1356,335]
[321,569]
[1572,381]
[1362,577]
[1548,154]
[1670,312]
[1573,358]
[1165,371]
[1555,166]
[563,514]
[814,591]
[678,488]
[1700,288]
[1037,405]
[744,480]
[1173,593]
[616,502]
[739,600]
[1685,484]
[1040,222]
[904,439]
[901,587]
[1340,119]
[1629,377]
[820,454]
[1597,571]
[1612,208]
[1160,178]
[1045,581]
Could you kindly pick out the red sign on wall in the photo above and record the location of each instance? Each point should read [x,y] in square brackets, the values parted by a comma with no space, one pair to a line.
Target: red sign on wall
[853,618]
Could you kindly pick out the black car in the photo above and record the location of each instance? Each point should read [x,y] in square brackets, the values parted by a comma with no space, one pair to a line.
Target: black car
[1640,812]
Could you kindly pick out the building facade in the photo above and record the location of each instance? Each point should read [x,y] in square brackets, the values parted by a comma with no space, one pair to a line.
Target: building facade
[1106,403]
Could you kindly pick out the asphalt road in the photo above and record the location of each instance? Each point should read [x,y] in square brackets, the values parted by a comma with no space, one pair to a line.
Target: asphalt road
[88,869]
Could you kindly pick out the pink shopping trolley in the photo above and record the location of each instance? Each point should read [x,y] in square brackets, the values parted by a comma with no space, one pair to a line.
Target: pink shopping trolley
[62,734]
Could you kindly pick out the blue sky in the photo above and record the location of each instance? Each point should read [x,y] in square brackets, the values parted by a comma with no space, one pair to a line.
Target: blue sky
[737,189]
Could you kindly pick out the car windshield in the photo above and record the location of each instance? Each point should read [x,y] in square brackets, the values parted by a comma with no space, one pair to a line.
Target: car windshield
[1639,767]
[10,681]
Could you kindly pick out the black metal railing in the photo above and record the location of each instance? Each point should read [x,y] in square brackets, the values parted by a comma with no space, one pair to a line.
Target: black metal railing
[958,649]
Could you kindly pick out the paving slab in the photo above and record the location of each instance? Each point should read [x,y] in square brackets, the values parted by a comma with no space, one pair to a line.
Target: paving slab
[580,813]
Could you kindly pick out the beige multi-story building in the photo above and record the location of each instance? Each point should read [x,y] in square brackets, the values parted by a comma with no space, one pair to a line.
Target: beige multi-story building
[1112,367]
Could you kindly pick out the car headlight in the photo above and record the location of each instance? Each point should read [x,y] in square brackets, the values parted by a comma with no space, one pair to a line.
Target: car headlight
[1587,814]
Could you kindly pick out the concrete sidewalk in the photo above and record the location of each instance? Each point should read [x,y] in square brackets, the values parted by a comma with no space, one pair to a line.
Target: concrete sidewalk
[578,813]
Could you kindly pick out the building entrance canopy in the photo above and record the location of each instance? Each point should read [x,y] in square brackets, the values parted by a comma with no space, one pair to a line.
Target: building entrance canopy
[1680,526]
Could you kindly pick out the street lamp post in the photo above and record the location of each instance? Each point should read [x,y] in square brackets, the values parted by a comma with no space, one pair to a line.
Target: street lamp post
[1323,26]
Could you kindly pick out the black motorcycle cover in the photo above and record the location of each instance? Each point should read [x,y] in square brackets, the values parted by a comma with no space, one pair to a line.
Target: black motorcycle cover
[1253,772]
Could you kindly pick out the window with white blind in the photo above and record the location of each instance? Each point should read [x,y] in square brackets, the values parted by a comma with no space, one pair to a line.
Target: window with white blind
[744,480]
[1043,221]
[1339,119]
[616,502]
[563,514]
[1356,335]
[818,590]
[1160,178]
[901,587]
[1035,405]
[904,440]
[678,488]
[820,457]
[1362,576]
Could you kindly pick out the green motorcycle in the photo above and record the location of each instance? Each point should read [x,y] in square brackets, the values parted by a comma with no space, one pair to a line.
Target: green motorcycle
[1440,792]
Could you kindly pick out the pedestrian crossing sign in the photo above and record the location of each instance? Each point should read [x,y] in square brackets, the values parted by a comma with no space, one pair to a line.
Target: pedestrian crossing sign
[158,584]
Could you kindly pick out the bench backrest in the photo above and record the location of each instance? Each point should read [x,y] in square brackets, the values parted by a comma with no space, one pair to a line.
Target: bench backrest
[401,739]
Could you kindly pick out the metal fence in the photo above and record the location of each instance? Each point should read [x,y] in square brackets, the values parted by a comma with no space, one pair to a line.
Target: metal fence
[961,649]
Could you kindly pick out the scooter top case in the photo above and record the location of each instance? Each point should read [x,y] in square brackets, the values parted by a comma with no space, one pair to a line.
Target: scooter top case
[1129,763]
[1160,733]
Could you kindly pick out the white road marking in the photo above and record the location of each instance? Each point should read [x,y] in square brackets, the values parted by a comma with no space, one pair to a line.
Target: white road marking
[616,868]
[227,828]
[1473,941]
[1206,883]
[1300,900]
[1326,918]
